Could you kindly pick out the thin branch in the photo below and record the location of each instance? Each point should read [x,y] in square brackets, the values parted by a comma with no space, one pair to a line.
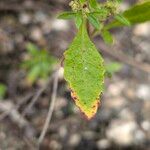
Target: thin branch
[29,143]
[51,108]
[15,116]
[36,97]
[20,103]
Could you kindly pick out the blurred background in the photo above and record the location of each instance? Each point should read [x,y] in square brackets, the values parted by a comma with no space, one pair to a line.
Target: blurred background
[31,34]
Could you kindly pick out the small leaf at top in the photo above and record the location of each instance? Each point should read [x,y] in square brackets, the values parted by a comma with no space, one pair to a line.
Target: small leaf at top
[3,90]
[94,21]
[119,1]
[136,14]
[67,15]
[78,20]
[107,37]
[84,72]
[93,3]
[82,1]
[32,49]
[122,19]
[113,67]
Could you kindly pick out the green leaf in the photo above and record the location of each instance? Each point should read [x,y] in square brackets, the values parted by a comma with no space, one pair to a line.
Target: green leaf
[33,74]
[84,72]
[93,3]
[67,15]
[122,19]
[32,49]
[136,14]
[119,1]
[78,20]
[38,64]
[100,13]
[94,21]
[107,37]
[82,1]
[3,89]
[113,67]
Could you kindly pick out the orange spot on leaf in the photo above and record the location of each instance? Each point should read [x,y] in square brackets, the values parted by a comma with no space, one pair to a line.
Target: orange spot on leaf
[87,112]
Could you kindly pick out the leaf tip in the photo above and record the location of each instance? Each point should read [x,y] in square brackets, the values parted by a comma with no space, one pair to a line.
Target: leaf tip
[89,112]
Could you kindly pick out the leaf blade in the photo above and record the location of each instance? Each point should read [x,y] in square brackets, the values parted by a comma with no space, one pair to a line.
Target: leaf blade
[84,71]
[94,21]
[107,37]
[67,15]
[137,14]
[122,20]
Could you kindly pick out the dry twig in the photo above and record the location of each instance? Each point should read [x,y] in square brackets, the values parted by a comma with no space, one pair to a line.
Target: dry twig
[51,107]
[16,107]
[36,97]
[15,116]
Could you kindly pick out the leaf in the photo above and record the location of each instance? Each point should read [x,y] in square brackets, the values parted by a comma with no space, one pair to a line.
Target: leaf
[107,37]
[84,72]
[78,20]
[119,1]
[38,64]
[82,1]
[93,3]
[94,21]
[113,67]
[32,49]
[67,15]
[122,19]
[33,74]
[136,14]
[3,90]
[100,13]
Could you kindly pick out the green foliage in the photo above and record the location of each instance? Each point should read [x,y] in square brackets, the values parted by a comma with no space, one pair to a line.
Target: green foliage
[83,65]
[78,20]
[120,18]
[39,64]
[82,1]
[136,14]
[94,21]
[67,15]
[84,71]
[93,4]
[107,37]
[112,68]
[93,11]
[3,90]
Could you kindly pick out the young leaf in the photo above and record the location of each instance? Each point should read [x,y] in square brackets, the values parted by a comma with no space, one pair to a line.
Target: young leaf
[122,19]
[82,1]
[119,1]
[3,90]
[100,13]
[94,21]
[78,20]
[32,49]
[67,15]
[107,37]
[38,65]
[84,71]
[113,67]
[33,74]
[93,3]
[136,14]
